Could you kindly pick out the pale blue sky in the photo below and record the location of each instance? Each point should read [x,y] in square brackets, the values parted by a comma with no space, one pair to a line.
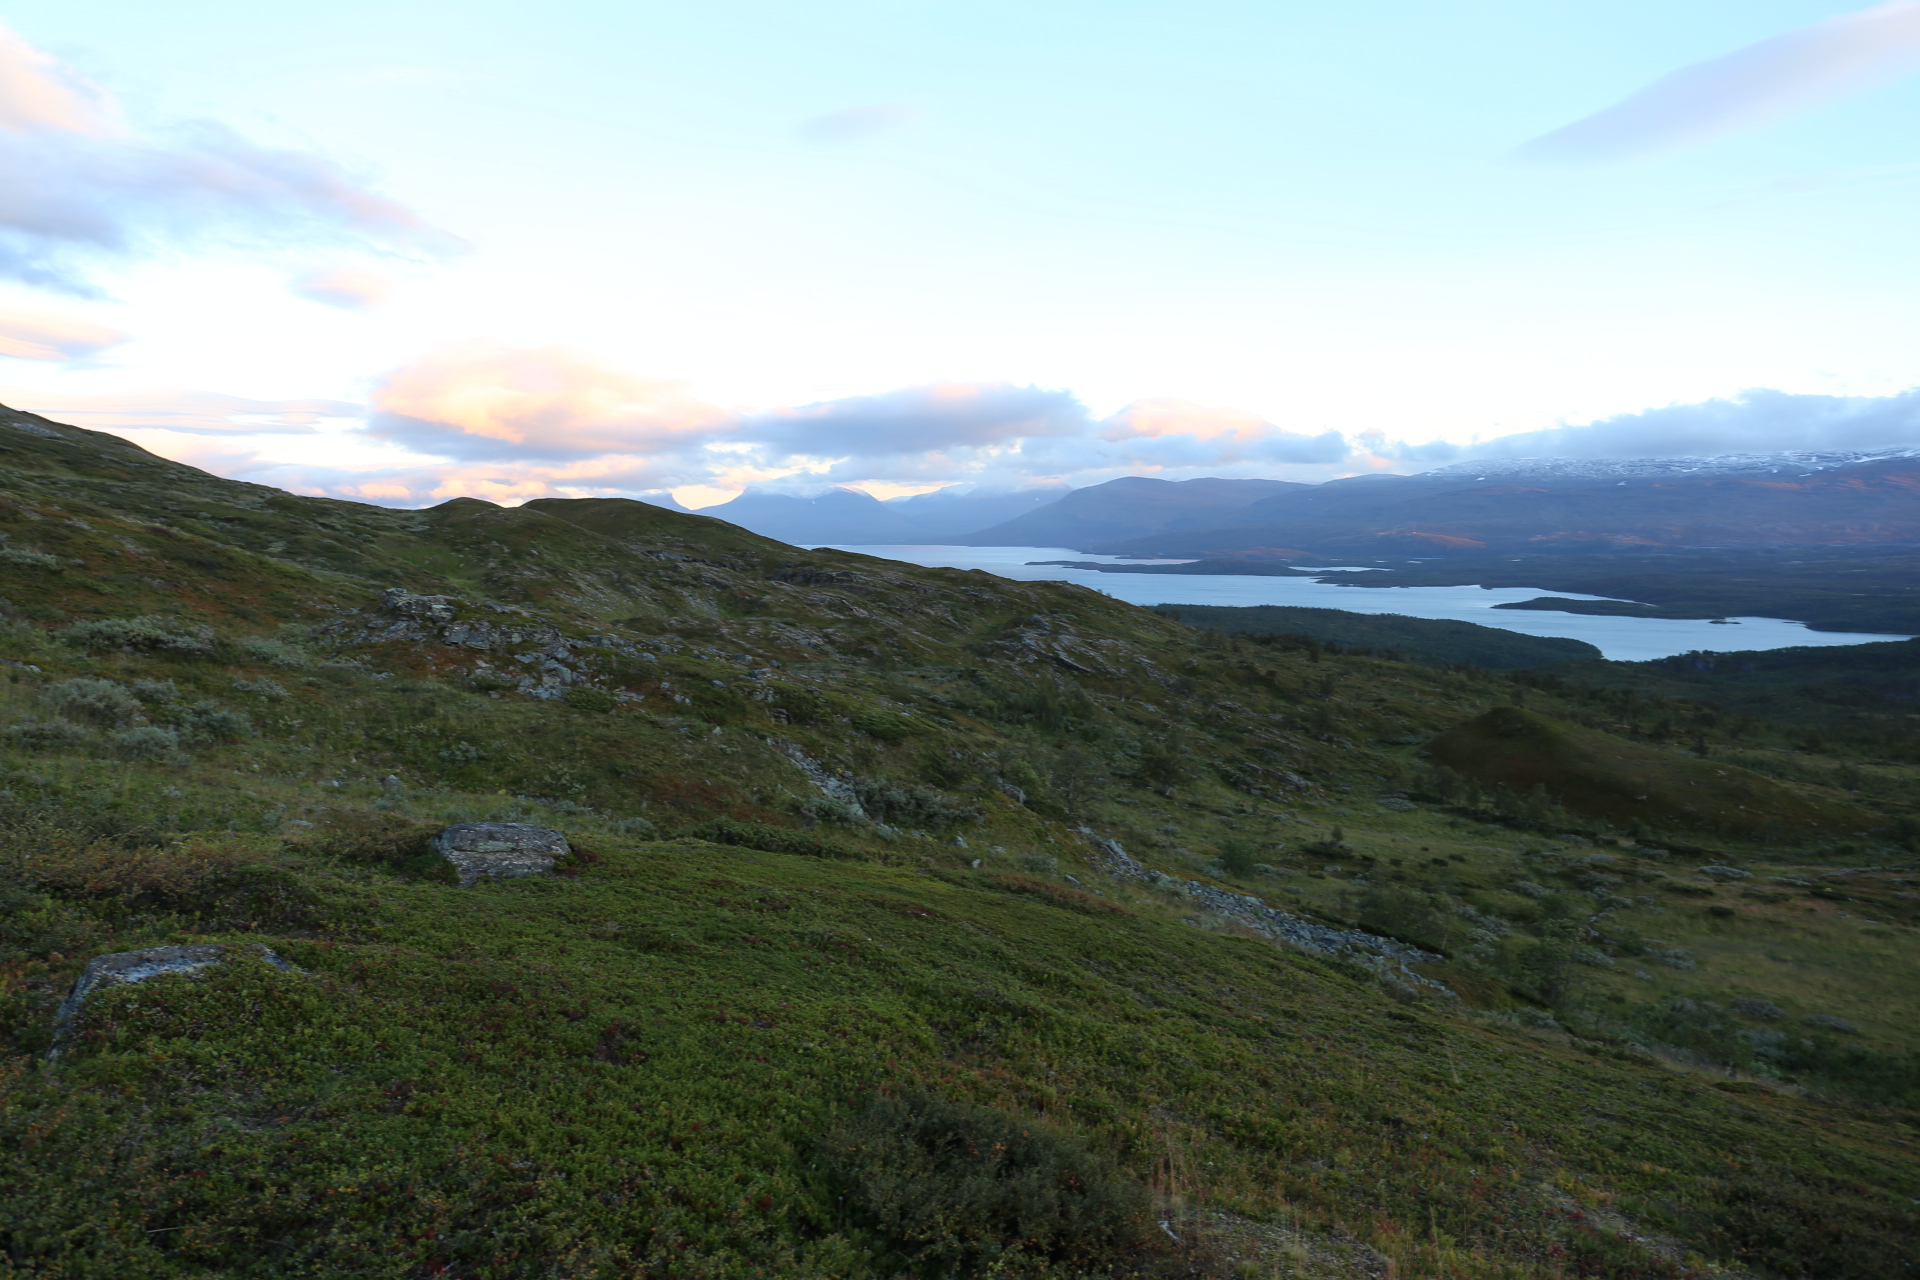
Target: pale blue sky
[1306,217]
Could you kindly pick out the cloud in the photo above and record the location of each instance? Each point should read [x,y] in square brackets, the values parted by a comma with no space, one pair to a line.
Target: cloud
[199,413]
[857,124]
[918,420]
[348,290]
[36,336]
[506,423]
[1747,87]
[78,184]
[486,400]
[1178,432]
[1756,421]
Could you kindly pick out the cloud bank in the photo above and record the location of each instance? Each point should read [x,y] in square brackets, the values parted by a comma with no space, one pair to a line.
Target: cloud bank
[504,423]
[1747,87]
[80,184]
[1756,421]
[200,413]
[38,336]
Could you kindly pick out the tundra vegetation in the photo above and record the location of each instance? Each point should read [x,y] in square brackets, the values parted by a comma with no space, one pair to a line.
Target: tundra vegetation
[845,975]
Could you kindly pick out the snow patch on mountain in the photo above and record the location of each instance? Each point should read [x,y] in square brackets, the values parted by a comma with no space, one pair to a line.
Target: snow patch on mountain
[1797,463]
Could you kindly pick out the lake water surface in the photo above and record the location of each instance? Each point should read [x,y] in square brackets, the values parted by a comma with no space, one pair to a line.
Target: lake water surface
[1622,639]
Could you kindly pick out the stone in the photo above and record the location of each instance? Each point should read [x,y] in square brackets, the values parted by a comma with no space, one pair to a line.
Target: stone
[438,610]
[500,850]
[1725,873]
[123,968]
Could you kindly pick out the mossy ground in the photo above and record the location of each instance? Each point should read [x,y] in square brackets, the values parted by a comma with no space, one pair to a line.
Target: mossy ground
[627,1068]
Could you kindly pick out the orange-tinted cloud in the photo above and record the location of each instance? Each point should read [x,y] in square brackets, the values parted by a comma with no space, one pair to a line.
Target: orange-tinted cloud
[346,289]
[489,400]
[38,336]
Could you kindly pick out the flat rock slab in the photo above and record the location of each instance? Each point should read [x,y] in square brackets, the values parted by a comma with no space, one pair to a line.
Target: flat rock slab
[123,968]
[500,850]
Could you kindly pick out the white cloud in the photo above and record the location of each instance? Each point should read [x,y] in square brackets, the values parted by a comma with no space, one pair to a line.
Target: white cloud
[347,289]
[39,336]
[79,184]
[199,413]
[508,423]
[1747,87]
[1756,421]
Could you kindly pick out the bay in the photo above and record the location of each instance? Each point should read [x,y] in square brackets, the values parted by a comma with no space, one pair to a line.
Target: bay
[1622,639]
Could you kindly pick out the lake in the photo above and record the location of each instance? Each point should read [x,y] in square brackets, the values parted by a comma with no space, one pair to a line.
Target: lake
[1622,639]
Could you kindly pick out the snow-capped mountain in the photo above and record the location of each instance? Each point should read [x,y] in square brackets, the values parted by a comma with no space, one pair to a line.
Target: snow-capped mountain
[1799,463]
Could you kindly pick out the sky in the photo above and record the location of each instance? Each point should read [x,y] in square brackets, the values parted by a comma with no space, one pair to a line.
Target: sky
[407,251]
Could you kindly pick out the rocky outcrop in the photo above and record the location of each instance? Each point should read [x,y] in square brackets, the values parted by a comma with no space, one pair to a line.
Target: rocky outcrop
[437,610]
[1050,639]
[1269,922]
[123,968]
[500,850]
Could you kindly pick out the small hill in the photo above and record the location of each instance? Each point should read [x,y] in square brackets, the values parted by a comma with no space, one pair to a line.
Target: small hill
[1598,775]
[1441,642]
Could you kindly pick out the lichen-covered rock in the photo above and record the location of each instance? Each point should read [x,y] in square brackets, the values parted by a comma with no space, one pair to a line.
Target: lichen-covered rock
[125,967]
[438,610]
[500,850]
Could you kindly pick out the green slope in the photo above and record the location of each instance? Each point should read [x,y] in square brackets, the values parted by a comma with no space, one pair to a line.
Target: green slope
[841,832]
[1440,642]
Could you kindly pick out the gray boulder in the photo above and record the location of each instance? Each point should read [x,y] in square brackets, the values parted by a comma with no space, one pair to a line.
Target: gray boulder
[438,610]
[500,850]
[123,968]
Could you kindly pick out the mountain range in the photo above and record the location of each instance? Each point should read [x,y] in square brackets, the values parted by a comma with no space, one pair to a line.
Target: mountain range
[1527,505]
[850,516]
[1530,506]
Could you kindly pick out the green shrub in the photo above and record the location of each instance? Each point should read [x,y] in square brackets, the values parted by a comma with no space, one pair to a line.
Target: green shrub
[205,722]
[277,652]
[151,634]
[800,704]
[910,806]
[97,701]
[1409,915]
[952,1189]
[44,735]
[1238,857]
[147,742]
[759,835]
[155,690]
[887,726]
[30,559]
[590,700]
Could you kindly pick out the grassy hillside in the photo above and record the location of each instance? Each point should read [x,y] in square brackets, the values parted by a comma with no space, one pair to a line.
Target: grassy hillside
[845,976]
[1597,775]
[1436,641]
